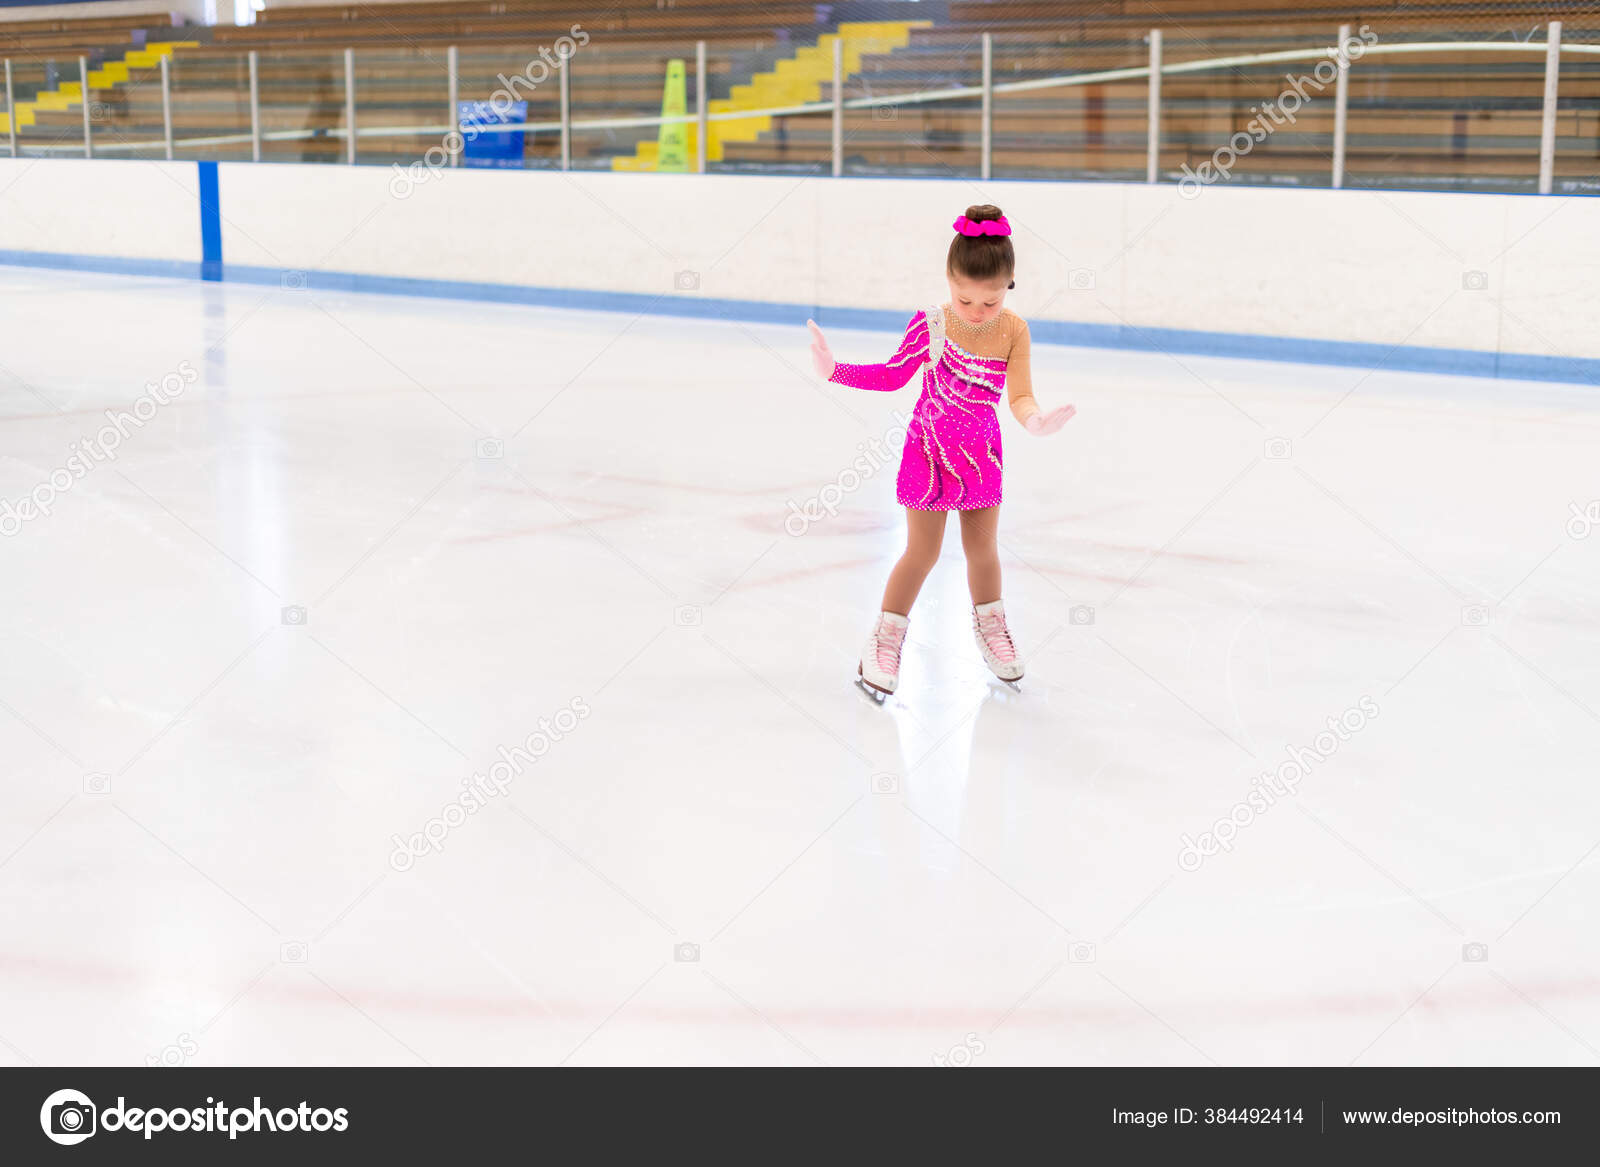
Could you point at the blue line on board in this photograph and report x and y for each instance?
(1298, 350)
(210, 223)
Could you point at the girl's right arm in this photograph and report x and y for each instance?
(890, 375)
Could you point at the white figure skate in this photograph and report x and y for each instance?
(995, 643)
(878, 674)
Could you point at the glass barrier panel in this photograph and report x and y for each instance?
(1577, 158)
(1088, 131)
(302, 98)
(210, 105)
(747, 74)
(402, 104)
(618, 81)
(501, 75)
(47, 124)
(126, 115)
(1249, 122)
(1465, 120)
(935, 138)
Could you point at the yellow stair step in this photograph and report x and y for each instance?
(797, 79)
(63, 97)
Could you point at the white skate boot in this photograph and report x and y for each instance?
(994, 641)
(879, 671)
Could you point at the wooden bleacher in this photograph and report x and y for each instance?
(68, 38)
(1473, 115)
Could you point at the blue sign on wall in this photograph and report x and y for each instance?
(501, 151)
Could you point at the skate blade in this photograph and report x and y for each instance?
(875, 695)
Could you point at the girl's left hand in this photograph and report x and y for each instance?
(1041, 424)
(821, 354)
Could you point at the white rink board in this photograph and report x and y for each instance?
(1380, 268)
(1383, 268)
(99, 207)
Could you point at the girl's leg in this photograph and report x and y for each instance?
(924, 535)
(980, 541)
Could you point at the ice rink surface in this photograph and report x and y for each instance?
(379, 539)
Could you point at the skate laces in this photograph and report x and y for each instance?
(992, 627)
(888, 640)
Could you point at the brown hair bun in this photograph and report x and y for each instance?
(982, 257)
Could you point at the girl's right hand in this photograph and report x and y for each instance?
(821, 355)
(1040, 424)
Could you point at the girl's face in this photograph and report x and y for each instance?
(977, 302)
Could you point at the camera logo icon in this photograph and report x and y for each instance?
(686, 616)
(68, 1117)
(99, 111)
(292, 952)
(686, 281)
(97, 783)
(686, 953)
(1474, 281)
(1475, 953)
(1081, 279)
(293, 614)
(1277, 450)
(293, 281)
(885, 113)
(1080, 614)
(1080, 952)
(886, 784)
(490, 448)
(1475, 616)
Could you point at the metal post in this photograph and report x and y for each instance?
(255, 107)
(986, 146)
(700, 106)
(166, 105)
(838, 106)
(11, 108)
(566, 116)
(453, 67)
(350, 106)
(1547, 130)
(83, 77)
(1152, 150)
(1341, 107)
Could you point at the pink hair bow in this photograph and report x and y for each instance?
(982, 227)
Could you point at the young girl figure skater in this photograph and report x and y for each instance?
(970, 351)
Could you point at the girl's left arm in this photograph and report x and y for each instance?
(1019, 390)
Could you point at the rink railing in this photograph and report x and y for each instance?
(1552, 48)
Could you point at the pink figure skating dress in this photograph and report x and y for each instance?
(952, 458)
